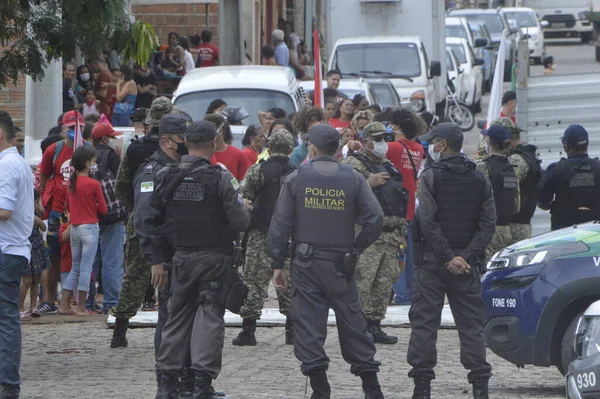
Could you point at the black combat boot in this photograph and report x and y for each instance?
(246, 337)
(203, 387)
(480, 388)
(319, 385)
(422, 388)
(289, 331)
(119, 338)
(370, 385)
(167, 387)
(379, 336)
(185, 387)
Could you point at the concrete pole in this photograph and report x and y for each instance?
(308, 16)
(522, 84)
(231, 44)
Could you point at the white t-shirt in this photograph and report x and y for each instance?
(188, 62)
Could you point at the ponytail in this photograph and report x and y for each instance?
(73, 179)
(81, 156)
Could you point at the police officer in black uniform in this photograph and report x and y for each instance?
(572, 186)
(454, 222)
(198, 211)
(318, 208)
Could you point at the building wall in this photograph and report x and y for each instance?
(12, 100)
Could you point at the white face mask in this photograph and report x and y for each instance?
(380, 148)
(435, 156)
(85, 77)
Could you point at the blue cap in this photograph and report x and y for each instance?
(497, 133)
(575, 135)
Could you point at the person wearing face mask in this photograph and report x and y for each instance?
(377, 268)
(197, 210)
(454, 222)
(505, 185)
(84, 83)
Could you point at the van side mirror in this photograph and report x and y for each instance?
(435, 69)
(480, 42)
(478, 62)
(545, 24)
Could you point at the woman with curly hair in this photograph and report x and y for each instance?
(303, 121)
(361, 120)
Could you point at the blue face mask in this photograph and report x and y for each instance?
(71, 135)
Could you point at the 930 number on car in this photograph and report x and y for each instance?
(586, 380)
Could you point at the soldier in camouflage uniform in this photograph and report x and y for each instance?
(378, 267)
(496, 167)
(137, 271)
(261, 188)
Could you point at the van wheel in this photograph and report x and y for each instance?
(567, 347)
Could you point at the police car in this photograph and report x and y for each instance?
(535, 291)
(582, 378)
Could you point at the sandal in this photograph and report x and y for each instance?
(24, 316)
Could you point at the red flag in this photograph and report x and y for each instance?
(318, 93)
(78, 142)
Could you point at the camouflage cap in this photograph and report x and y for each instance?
(281, 138)
(509, 124)
(373, 129)
(160, 106)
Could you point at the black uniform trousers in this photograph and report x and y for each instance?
(163, 315)
(317, 286)
(194, 333)
(432, 281)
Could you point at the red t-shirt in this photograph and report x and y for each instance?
(66, 259)
(208, 55)
(61, 170)
(398, 156)
(86, 202)
(251, 155)
(234, 160)
(337, 123)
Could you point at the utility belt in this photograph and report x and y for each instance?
(229, 291)
(345, 262)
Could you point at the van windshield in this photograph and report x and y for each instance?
(397, 59)
(252, 101)
(493, 22)
(524, 19)
(456, 31)
(459, 51)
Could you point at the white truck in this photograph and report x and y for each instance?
(400, 40)
(567, 18)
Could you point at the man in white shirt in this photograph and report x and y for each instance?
(16, 225)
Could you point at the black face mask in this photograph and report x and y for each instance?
(182, 149)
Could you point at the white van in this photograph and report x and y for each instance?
(253, 87)
(527, 20)
(473, 75)
(567, 18)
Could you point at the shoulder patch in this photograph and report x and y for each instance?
(147, 187)
(235, 183)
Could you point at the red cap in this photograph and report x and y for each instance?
(73, 117)
(104, 130)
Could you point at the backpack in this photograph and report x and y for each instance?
(117, 211)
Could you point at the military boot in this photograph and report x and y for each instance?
(319, 385)
(289, 331)
(203, 387)
(370, 385)
(185, 387)
(480, 388)
(167, 387)
(422, 388)
(379, 336)
(246, 337)
(119, 338)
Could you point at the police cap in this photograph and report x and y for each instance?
(575, 135)
(324, 137)
(446, 130)
(174, 124)
(200, 132)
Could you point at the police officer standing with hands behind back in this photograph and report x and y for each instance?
(318, 208)
(572, 186)
(454, 222)
(200, 211)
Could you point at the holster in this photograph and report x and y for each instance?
(349, 262)
(238, 257)
(233, 290)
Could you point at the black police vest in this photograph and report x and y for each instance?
(274, 170)
(139, 151)
(578, 193)
(530, 186)
(195, 209)
(504, 184)
(459, 192)
(325, 207)
(392, 196)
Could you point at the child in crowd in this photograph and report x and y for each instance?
(66, 260)
(91, 106)
(86, 201)
(39, 261)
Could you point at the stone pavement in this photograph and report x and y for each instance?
(63, 360)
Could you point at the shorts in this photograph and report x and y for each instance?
(63, 279)
(52, 238)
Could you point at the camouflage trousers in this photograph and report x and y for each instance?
(520, 231)
(376, 272)
(257, 276)
(502, 239)
(136, 279)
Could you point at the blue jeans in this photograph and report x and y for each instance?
(84, 244)
(112, 242)
(11, 271)
(404, 286)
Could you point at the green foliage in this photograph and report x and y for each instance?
(141, 41)
(34, 33)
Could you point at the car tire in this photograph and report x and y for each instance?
(567, 349)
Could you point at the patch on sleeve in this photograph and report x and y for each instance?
(240, 199)
(235, 183)
(147, 187)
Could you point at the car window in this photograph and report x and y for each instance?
(449, 63)
(385, 95)
(524, 19)
(456, 31)
(401, 59)
(459, 50)
(252, 101)
(471, 53)
(493, 22)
